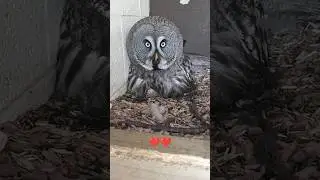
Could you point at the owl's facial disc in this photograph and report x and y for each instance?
(162, 62)
(155, 45)
(155, 58)
(150, 47)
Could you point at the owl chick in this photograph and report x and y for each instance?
(155, 50)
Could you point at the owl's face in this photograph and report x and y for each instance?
(155, 43)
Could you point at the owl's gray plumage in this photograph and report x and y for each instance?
(83, 53)
(155, 50)
(239, 52)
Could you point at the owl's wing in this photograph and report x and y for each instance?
(199, 63)
(83, 44)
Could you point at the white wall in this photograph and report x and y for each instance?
(29, 35)
(193, 19)
(123, 14)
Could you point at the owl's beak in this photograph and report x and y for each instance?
(155, 60)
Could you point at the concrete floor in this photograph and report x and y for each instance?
(154, 170)
(132, 158)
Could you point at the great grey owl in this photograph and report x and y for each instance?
(83, 53)
(155, 50)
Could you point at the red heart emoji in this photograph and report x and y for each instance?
(165, 141)
(154, 141)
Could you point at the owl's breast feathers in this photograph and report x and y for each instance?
(178, 77)
(172, 82)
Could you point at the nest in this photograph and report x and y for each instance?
(42, 144)
(187, 115)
